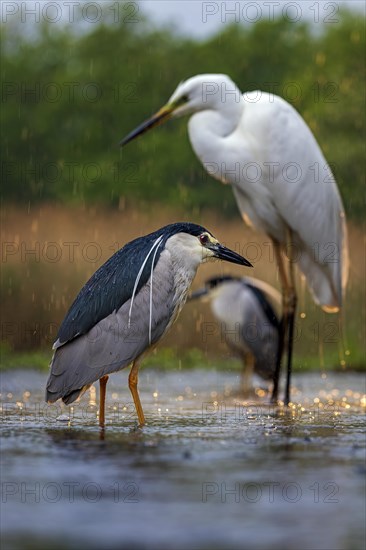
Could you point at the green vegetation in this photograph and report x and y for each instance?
(165, 358)
(39, 360)
(69, 98)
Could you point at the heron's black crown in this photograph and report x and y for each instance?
(215, 281)
(112, 284)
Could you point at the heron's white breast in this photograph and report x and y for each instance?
(181, 257)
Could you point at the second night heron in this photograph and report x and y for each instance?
(248, 322)
(258, 143)
(126, 307)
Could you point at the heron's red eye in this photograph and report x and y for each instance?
(204, 238)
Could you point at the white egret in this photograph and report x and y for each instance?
(259, 144)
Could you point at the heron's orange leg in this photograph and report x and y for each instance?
(132, 384)
(103, 385)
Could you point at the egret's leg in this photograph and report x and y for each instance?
(291, 312)
(102, 385)
(284, 321)
(281, 345)
(132, 384)
(247, 373)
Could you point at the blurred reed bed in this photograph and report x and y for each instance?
(49, 251)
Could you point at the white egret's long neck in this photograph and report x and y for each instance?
(207, 127)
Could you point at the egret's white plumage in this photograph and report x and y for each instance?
(259, 144)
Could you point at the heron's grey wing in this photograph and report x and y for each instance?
(265, 351)
(260, 332)
(263, 302)
(114, 342)
(110, 286)
(248, 322)
(227, 303)
(271, 294)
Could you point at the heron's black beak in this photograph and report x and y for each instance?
(228, 255)
(197, 294)
(161, 116)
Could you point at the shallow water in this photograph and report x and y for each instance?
(208, 471)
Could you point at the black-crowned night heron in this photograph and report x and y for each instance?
(126, 307)
(282, 183)
(248, 322)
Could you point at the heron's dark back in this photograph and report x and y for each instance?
(113, 283)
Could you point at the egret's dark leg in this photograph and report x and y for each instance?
(284, 321)
(102, 385)
(291, 323)
(291, 315)
(276, 377)
(132, 384)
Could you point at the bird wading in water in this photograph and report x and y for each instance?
(258, 143)
(126, 307)
(248, 322)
